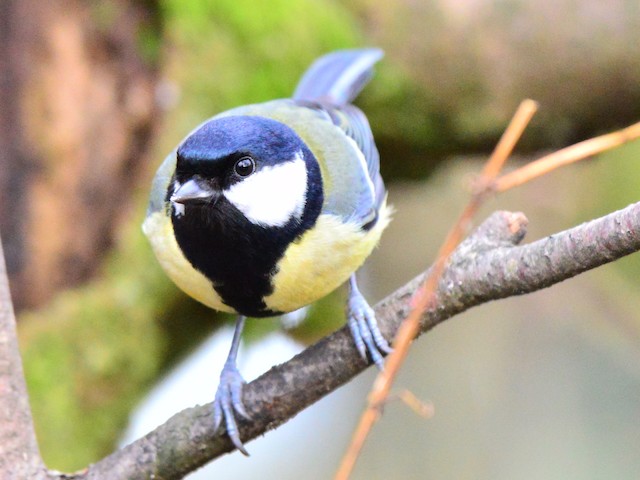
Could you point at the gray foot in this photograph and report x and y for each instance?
(228, 402)
(228, 399)
(364, 328)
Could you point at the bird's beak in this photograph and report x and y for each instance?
(193, 191)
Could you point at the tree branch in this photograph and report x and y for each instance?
(19, 455)
(486, 266)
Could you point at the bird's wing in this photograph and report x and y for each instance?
(353, 122)
(329, 86)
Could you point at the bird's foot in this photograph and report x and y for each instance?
(228, 402)
(364, 329)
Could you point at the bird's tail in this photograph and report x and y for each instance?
(338, 77)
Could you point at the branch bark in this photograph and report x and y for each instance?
(19, 455)
(488, 265)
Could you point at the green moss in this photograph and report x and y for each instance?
(90, 354)
(150, 43)
(228, 53)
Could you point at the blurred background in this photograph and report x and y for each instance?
(94, 94)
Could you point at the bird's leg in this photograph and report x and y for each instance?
(229, 394)
(363, 325)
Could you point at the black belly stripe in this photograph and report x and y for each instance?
(238, 257)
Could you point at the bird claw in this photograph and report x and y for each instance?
(228, 402)
(364, 329)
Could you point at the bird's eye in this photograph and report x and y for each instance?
(245, 166)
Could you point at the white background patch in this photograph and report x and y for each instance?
(273, 195)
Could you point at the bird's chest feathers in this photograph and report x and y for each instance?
(321, 261)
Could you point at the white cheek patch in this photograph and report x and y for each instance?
(273, 195)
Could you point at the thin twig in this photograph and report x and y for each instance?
(573, 153)
(510, 137)
(419, 407)
(425, 297)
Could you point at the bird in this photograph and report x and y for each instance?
(265, 208)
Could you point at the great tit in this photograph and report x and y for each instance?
(266, 208)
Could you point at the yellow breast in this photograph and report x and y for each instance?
(322, 260)
(157, 227)
(312, 267)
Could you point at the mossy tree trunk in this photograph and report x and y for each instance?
(77, 111)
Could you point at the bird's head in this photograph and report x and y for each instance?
(257, 165)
